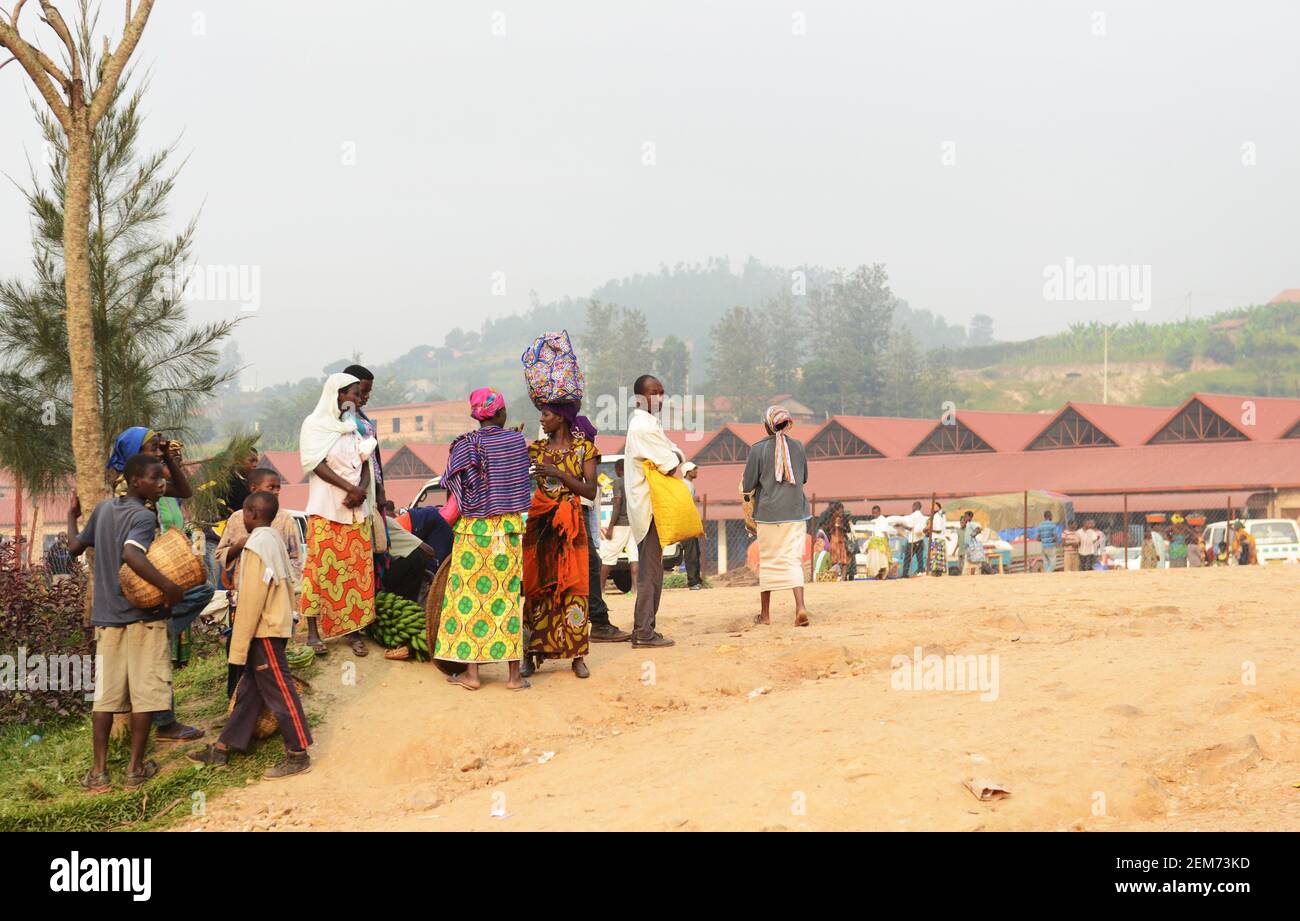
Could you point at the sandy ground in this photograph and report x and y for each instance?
(1142, 700)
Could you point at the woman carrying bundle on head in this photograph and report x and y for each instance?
(556, 581)
(487, 474)
(775, 473)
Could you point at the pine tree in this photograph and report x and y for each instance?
(153, 367)
(78, 90)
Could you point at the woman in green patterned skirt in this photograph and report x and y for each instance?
(487, 473)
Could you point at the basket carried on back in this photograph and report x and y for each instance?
(171, 555)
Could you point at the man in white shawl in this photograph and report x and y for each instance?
(263, 624)
(338, 595)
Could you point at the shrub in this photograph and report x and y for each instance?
(43, 618)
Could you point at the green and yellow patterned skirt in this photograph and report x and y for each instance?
(481, 607)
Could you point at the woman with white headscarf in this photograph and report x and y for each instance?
(338, 588)
(774, 474)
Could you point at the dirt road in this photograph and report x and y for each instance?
(1142, 700)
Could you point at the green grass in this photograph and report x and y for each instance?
(678, 580)
(40, 782)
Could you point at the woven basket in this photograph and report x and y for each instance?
(433, 618)
(171, 555)
(266, 726)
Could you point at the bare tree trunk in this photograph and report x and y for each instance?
(87, 427)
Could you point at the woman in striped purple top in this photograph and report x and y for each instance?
(487, 472)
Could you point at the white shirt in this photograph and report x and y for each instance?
(346, 458)
(879, 525)
(1090, 542)
(645, 441)
(916, 523)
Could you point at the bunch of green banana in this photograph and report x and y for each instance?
(399, 622)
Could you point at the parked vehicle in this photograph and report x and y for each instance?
(1277, 540)
(300, 519)
(431, 493)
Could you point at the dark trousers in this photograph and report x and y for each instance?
(597, 610)
(191, 606)
(691, 557)
(233, 672)
(1087, 561)
(649, 584)
(266, 683)
(405, 576)
(916, 549)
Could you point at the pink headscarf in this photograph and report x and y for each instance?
(485, 403)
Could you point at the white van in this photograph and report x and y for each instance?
(1277, 540)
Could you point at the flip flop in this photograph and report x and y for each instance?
(359, 648)
(758, 619)
(801, 620)
(148, 769)
(319, 648)
(96, 783)
(523, 687)
(455, 679)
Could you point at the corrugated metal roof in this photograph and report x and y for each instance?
(1216, 467)
(1271, 416)
(1125, 425)
(287, 463)
(891, 436)
(1004, 431)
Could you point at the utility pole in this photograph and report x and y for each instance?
(1105, 364)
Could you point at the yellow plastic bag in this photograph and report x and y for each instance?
(676, 517)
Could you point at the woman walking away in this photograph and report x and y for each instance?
(938, 548)
(338, 588)
(555, 542)
(775, 472)
(487, 473)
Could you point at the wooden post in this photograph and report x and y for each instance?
(18, 522)
(1227, 530)
(1126, 531)
(704, 520)
(1025, 552)
(722, 546)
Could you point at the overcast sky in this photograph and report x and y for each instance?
(378, 162)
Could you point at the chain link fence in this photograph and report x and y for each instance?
(1124, 522)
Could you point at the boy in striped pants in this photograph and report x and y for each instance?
(263, 624)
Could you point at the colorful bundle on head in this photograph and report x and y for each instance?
(551, 370)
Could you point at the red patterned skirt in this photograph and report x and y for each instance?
(338, 576)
